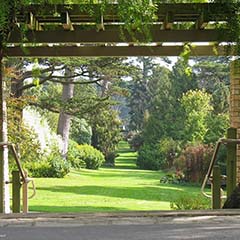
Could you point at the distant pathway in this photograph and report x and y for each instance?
(127, 158)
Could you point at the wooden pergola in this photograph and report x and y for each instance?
(63, 30)
(66, 30)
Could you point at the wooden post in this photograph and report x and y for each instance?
(4, 176)
(25, 194)
(231, 161)
(216, 188)
(16, 192)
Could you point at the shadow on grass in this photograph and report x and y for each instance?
(117, 173)
(157, 193)
(47, 208)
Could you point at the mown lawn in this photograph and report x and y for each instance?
(109, 189)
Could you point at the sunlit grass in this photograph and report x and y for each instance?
(121, 188)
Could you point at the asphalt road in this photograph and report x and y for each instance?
(216, 228)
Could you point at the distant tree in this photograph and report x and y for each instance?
(213, 75)
(139, 100)
(106, 133)
(196, 105)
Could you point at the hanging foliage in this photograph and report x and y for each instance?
(137, 16)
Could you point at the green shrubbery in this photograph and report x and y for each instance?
(158, 156)
(135, 140)
(92, 157)
(55, 166)
(110, 159)
(190, 203)
(149, 158)
(73, 156)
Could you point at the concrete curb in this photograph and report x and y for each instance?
(134, 214)
(117, 218)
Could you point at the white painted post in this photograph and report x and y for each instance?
(4, 174)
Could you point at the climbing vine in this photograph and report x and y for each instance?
(231, 29)
(137, 16)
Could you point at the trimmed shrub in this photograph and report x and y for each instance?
(73, 156)
(38, 169)
(92, 157)
(158, 156)
(110, 159)
(149, 158)
(54, 168)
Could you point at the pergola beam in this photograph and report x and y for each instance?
(202, 21)
(114, 36)
(33, 23)
(94, 51)
(168, 21)
(66, 21)
(182, 11)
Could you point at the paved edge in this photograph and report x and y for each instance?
(129, 214)
(119, 218)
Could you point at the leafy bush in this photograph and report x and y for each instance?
(173, 177)
(168, 149)
(110, 158)
(135, 141)
(149, 158)
(191, 203)
(92, 157)
(194, 161)
(56, 167)
(80, 131)
(38, 169)
(73, 156)
(157, 156)
(59, 167)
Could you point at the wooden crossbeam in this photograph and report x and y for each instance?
(66, 21)
(114, 36)
(202, 21)
(182, 10)
(168, 21)
(74, 51)
(33, 23)
(100, 25)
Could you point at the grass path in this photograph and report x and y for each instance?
(121, 188)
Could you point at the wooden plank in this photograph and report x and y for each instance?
(114, 36)
(216, 188)
(25, 194)
(16, 193)
(74, 51)
(231, 161)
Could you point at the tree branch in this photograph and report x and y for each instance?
(27, 86)
(76, 82)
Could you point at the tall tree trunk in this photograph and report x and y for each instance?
(4, 176)
(64, 120)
